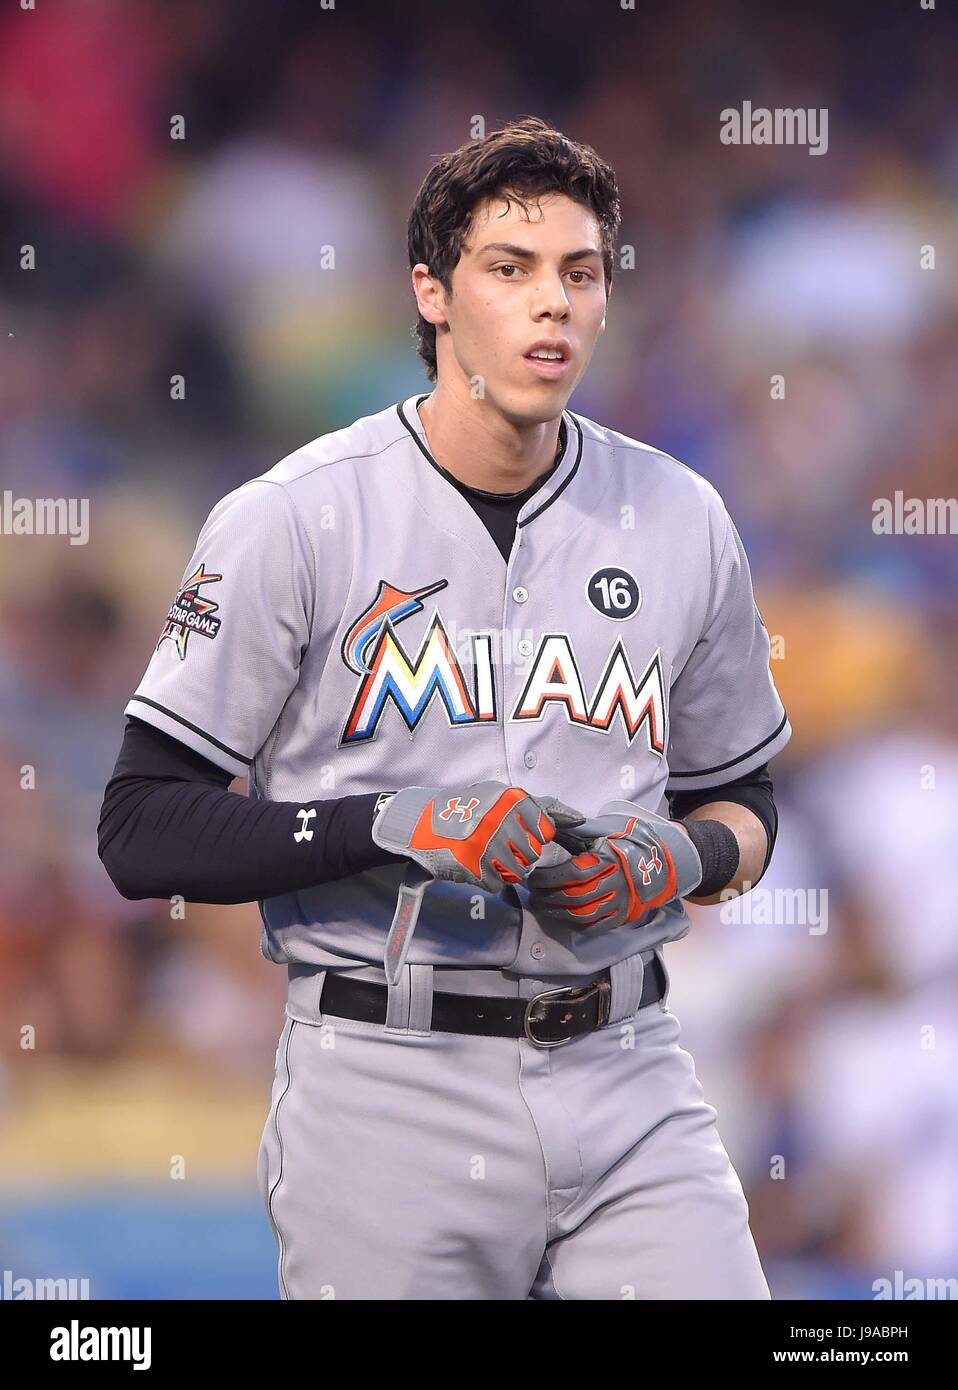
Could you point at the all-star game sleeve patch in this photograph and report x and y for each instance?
(190, 612)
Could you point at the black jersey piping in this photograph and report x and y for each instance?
(721, 767)
(445, 474)
(563, 485)
(214, 742)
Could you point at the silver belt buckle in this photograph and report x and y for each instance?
(527, 1017)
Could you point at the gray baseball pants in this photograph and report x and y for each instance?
(398, 1163)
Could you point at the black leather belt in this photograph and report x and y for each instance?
(548, 1019)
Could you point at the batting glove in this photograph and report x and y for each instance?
(486, 834)
(625, 865)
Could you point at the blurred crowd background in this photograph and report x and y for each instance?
(831, 1055)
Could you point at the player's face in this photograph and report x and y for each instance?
(524, 280)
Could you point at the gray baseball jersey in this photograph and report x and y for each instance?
(346, 624)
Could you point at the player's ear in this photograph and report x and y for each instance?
(430, 295)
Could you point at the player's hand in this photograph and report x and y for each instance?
(624, 867)
(486, 834)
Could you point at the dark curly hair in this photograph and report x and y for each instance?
(524, 160)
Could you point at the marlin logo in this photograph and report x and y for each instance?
(389, 606)
(387, 672)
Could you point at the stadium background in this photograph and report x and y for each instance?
(307, 128)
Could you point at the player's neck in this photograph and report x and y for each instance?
(483, 450)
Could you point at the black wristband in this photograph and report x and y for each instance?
(718, 850)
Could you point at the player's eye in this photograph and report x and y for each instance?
(505, 268)
(587, 274)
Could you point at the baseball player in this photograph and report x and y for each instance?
(499, 684)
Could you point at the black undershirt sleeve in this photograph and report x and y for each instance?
(753, 789)
(169, 825)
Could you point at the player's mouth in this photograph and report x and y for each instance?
(550, 358)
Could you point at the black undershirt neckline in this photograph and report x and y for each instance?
(499, 511)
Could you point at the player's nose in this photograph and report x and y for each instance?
(549, 300)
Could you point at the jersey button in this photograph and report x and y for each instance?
(537, 950)
(530, 759)
(524, 646)
(520, 594)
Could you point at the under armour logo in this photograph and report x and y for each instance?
(302, 833)
(453, 808)
(647, 867)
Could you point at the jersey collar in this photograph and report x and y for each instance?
(556, 482)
